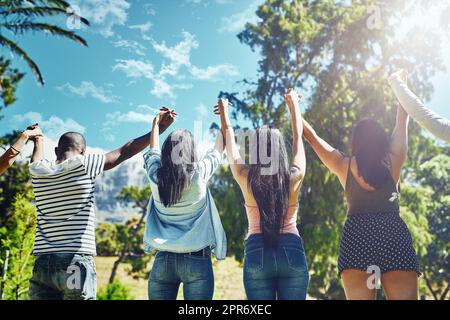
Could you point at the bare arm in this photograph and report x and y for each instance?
(299, 160)
(332, 158)
(133, 147)
(10, 156)
(38, 150)
(237, 166)
(399, 143)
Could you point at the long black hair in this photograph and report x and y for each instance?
(178, 157)
(269, 180)
(370, 147)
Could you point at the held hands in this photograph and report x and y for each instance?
(402, 74)
(292, 98)
(164, 118)
(33, 133)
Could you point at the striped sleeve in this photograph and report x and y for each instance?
(94, 164)
(152, 161)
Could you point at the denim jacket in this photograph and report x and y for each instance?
(194, 222)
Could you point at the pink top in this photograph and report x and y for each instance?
(290, 221)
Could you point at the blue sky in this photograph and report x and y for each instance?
(141, 55)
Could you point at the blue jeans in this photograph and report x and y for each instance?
(275, 273)
(171, 269)
(63, 276)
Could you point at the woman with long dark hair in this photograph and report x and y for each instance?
(183, 224)
(275, 264)
(375, 244)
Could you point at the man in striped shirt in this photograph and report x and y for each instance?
(65, 231)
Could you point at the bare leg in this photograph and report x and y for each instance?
(355, 285)
(400, 285)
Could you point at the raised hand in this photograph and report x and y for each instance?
(165, 119)
(402, 73)
(222, 107)
(33, 132)
(292, 98)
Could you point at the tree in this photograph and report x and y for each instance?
(18, 17)
(436, 260)
(9, 79)
(328, 51)
(130, 236)
(16, 243)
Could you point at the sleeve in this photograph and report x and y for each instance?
(94, 164)
(152, 161)
(437, 125)
(34, 167)
(209, 164)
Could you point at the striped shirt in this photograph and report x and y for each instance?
(65, 204)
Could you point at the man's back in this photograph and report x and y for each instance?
(65, 204)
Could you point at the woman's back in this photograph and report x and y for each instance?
(361, 198)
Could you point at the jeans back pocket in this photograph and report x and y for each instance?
(253, 261)
(296, 259)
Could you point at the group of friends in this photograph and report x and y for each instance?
(184, 227)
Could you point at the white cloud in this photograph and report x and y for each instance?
(131, 46)
(145, 27)
(236, 22)
(214, 72)
(135, 68)
(88, 89)
(178, 55)
(176, 67)
(52, 127)
(104, 15)
(207, 2)
(142, 114)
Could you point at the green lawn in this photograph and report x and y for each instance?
(227, 274)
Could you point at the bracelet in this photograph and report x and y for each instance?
(18, 151)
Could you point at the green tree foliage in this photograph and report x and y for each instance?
(436, 260)
(9, 79)
(130, 235)
(115, 291)
(17, 238)
(16, 180)
(340, 63)
(230, 203)
(18, 17)
(106, 238)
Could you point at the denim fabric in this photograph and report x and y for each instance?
(171, 269)
(191, 224)
(63, 276)
(274, 273)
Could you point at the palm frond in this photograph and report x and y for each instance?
(42, 12)
(19, 51)
(54, 30)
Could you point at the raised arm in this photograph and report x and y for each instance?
(38, 149)
(133, 147)
(299, 159)
(332, 158)
(237, 165)
(399, 143)
(8, 158)
(431, 121)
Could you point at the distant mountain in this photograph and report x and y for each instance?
(109, 184)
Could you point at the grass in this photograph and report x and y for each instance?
(227, 275)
